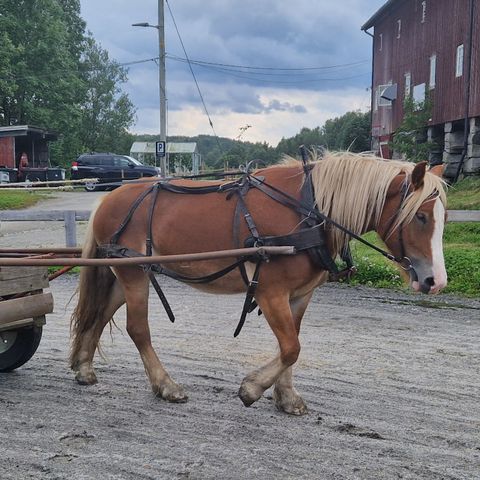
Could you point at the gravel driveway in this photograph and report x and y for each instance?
(391, 382)
(39, 234)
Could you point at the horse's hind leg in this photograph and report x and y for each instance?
(285, 395)
(279, 316)
(136, 287)
(82, 364)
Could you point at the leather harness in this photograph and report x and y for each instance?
(311, 239)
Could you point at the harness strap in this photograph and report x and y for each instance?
(161, 295)
(149, 241)
(249, 299)
(126, 220)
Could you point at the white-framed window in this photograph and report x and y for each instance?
(399, 28)
(424, 10)
(380, 42)
(408, 84)
(433, 72)
(459, 61)
(419, 95)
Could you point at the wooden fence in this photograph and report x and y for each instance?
(70, 217)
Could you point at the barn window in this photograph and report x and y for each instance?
(433, 71)
(399, 28)
(424, 10)
(380, 42)
(459, 61)
(408, 84)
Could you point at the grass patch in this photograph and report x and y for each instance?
(465, 195)
(462, 260)
(10, 200)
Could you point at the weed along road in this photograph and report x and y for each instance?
(391, 382)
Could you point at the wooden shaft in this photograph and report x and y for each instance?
(188, 257)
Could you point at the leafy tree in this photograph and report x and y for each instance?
(107, 111)
(351, 132)
(52, 73)
(410, 139)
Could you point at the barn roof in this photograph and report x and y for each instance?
(373, 19)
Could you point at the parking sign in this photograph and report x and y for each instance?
(160, 149)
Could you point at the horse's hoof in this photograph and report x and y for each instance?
(171, 393)
(249, 393)
(86, 379)
(289, 402)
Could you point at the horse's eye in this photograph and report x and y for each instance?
(421, 217)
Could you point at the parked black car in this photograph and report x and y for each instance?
(109, 168)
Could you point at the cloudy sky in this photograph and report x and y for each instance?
(273, 65)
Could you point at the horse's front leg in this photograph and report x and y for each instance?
(136, 288)
(279, 316)
(285, 395)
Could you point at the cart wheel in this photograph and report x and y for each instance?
(18, 346)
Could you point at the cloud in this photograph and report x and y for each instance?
(267, 124)
(275, 36)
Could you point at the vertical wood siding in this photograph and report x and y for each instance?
(446, 26)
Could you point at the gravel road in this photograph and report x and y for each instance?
(39, 234)
(391, 382)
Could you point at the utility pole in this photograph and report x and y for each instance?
(161, 85)
(161, 81)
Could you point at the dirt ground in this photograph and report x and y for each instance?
(391, 381)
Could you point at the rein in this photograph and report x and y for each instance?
(403, 261)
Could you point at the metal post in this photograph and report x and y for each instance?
(161, 80)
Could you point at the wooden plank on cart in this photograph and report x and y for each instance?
(25, 307)
(22, 279)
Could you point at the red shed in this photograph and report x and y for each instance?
(434, 46)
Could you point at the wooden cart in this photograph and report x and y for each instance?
(23, 306)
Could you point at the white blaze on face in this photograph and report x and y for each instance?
(438, 262)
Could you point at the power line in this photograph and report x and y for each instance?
(193, 75)
(249, 67)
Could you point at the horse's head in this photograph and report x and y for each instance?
(412, 224)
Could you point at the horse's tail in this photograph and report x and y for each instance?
(93, 291)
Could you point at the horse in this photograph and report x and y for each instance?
(404, 203)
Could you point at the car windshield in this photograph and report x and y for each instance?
(133, 160)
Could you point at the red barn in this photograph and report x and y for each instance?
(429, 46)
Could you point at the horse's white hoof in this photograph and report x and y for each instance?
(171, 393)
(289, 401)
(87, 378)
(249, 392)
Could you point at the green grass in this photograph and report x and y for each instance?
(10, 200)
(465, 195)
(462, 260)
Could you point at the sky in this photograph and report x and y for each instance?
(265, 68)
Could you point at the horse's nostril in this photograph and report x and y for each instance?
(430, 281)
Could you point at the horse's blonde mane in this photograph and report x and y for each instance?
(351, 189)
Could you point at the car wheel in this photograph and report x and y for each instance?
(91, 187)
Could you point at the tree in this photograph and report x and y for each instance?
(52, 74)
(350, 132)
(107, 112)
(410, 139)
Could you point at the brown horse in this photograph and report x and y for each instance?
(402, 202)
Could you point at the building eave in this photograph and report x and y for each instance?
(373, 19)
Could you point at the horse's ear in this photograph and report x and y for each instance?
(438, 170)
(418, 175)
